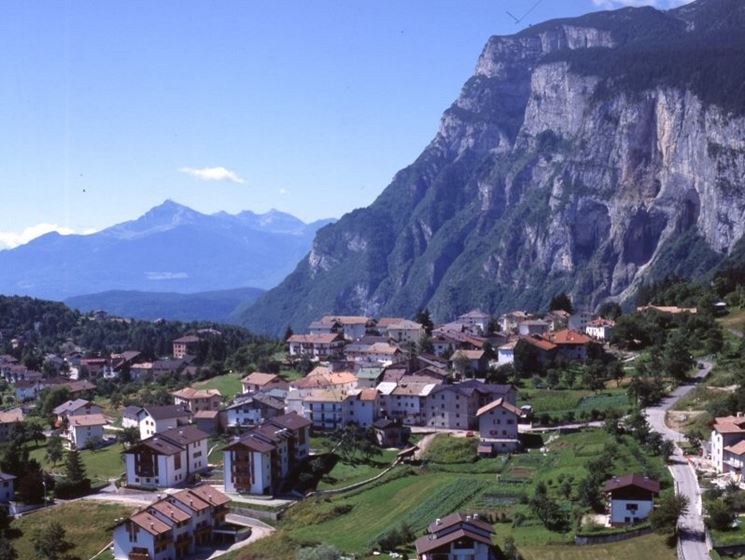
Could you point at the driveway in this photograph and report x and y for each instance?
(691, 526)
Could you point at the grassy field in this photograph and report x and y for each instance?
(100, 465)
(734, 320)
(229, 384)
(560, 402)
(88, 526)
(650, 546)
(356, 469)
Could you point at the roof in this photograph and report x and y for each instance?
(383, 348)
(88, 420)
(474, 314)
(346, 319)
(253, 443)
(150, 523)
(314, 338)
(600, 322)
(183, 435)
(729, 424)
(189, 393)
(71, 406)
(190, 500)
(413, 389)
(455, 518)
(736, 449)
(209, 494)
(499, 403)
(320, 395)
(368, 394)
(206, 414)
(539, 342)
(428, 543)
(259, 378)
(291, 421)
(404, 324)
(322, 377)
(469, 354)
(635, 480)
(188, 339)
(165, 412)
(170, 511)
(567, 337)
(10, 416)
(77, 386)
(6, 476)
(131, 412)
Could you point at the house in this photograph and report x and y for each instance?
(207, 420)
(383, 353)
(578, 321)
(9, 419)
(168, 458)
(95, 367)
(259, 461)
(7, 488)
(129, 417)
(498, 428)
(319, 346)
(455, 406)
(85, 429)
(404, 331)
(557, 319)
(258, 381)
(352, 327)
(332, 410)
(173, 526)
(369, 375)
(185, 345)
(509, 322)
(727, 436)
(155, 419)
(458, 537)
(252, 410)
(506, 353)
(406, 400)
(571, 345)
(390, 433)
(79, 389)
(631, 498)
(533, 326)
(195, 400)
(77, 407)
(600, 329)
(476, 318)
(466, 362)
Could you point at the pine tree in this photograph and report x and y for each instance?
(74, 468)
(50, 542)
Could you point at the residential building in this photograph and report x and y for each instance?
(7, 488)
(258, 381)
(324, 327)
(319, 346)
(506, 353)
(207, 420)
(172, 527)
(195, 400)
(455, 406)
(9, 419)
(458, 537)
(333, 410)
(509, 322)
(185, 345)
(352, 327)
(260, 461)
(168, 458)
(156, 419)
(404, 331)
(382, 353)
(252, 409)
(390, 433)
(727, 435)
(466, 362)
(129, 417)
(369, 375)
(77, 407)
(83, 430)
(571, 345)
(476, 318)
(533, 326)
(631, 498)
(498, 428)
(600, 329)
(406, 400)
(579, 320)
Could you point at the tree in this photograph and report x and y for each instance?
(424, 318)
(664, 519)
(288, 333)
(610, 310)
(74, 467)
(509, 550)
(50, 542)
(53, 398)
(561, 302)
(55, 450)
(7, 552)
(721, 515)
(129, 436)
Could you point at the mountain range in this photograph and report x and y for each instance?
(171, 248)
(588, 155)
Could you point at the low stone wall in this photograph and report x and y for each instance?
(257, 513)
(611, 538)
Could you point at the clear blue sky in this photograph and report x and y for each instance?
(313, 105)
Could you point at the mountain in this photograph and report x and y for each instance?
(216, 306)
(171, 248)
(586, 155)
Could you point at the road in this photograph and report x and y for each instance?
(691, 526)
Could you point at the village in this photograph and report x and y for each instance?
(475, 393)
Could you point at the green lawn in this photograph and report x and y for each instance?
(100, 465)
(88, 526)
(356, 469)
(649, 546)
(229, 384)
(734, 320)
(560, 402)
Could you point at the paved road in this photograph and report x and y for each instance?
(691, 526)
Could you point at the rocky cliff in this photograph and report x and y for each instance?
(585, 155)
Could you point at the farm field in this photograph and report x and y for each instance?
(88, 526)
(559, 403)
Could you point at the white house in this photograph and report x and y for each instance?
(631, 498)
(506, 353)
(498, 427)
(252, 410)
(405, 400)
(155, 419)
(173, 526)
(600, 329)
(259, 461)
(84, 428)
(404, 331)
(77, 407)
(533, 326)
(458, 537)
(727, 435)
(353, 327)
(169, 458)
(7, 487)
(318, 346)
(332, 410)
(476, 318)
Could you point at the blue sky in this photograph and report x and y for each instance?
(108, 108)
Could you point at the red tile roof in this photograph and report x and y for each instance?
(636, 480)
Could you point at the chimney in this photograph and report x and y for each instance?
(739, 414)
(438, 521)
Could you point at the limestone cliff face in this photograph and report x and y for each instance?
(552, 171)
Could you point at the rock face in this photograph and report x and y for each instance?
(584, 155)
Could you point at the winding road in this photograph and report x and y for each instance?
(691, 526)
